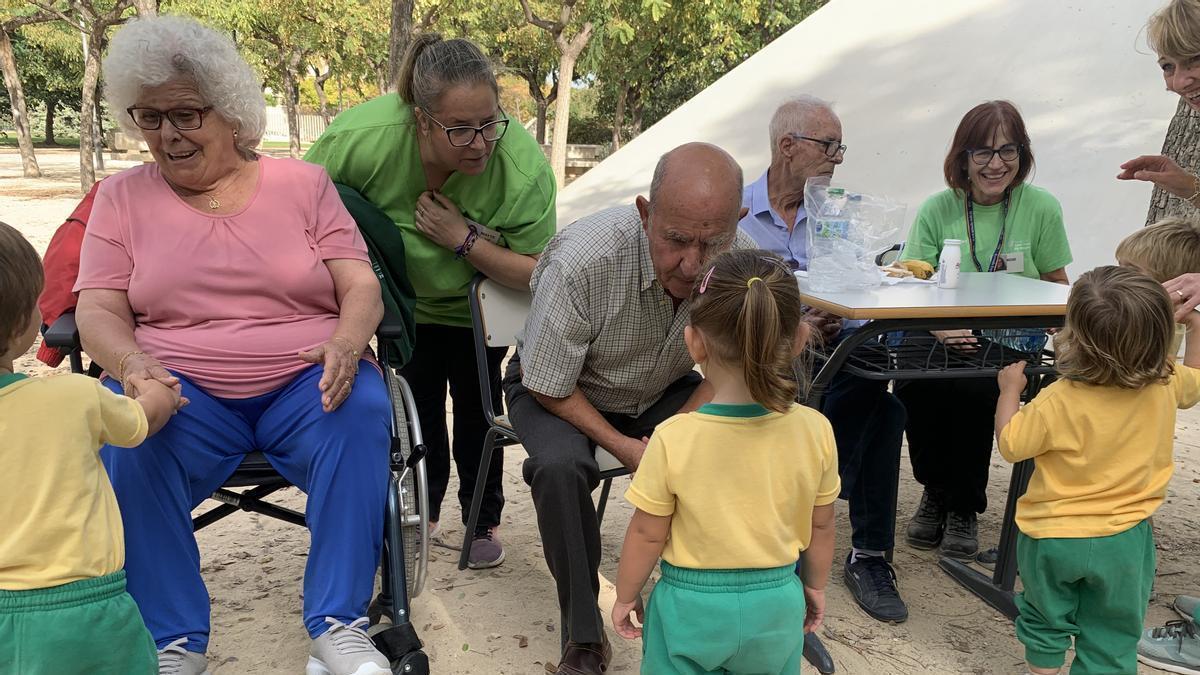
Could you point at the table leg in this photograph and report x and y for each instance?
(998, 591)
(816, 654)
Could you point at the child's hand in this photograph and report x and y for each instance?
(814, 609)
(1012, 377)
(158, 400)
(620, 618)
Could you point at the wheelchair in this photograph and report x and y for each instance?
(406, 522)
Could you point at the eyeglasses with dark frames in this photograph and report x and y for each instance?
(183, 119)
(983, 156)
(832, 148)
(462, 136)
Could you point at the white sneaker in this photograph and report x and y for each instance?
(175, 660)
(346, 650)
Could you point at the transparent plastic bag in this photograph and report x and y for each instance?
(846, 230)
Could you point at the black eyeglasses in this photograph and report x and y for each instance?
(460, 137)
(983, 156)
(183, 119)
(832, 148)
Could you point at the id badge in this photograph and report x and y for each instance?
(1013, 263)
(486, 232)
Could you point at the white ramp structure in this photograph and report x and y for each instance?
(901, 73)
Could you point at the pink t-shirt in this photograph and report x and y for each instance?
(226, 300)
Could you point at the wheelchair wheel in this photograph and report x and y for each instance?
(413, 486)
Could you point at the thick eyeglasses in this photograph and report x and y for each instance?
(183, 119)
(460, 137)
(983, 156)
(832, 148)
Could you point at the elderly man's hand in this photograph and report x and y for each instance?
(828, 325)
(340, 361)
(439, 219)
(1185, 293)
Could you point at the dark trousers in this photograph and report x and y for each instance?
(446, 354)
(562, 473)
(868, 426)
(950, 428)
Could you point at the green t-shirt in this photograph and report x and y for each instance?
(372, 148)
(1034, 229)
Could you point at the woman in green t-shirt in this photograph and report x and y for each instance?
(471, 192)
(1006, 225)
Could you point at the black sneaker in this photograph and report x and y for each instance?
(927, 524)
(872, 582)
(961, 539)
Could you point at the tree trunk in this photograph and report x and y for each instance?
(569, 53)
(1181, 144)
(16, 97)
(146, 8)
(619, 114)
(51, 107)
(401, 35)
(542, 105)
(87, 109)
(322, 99)
(291, 96)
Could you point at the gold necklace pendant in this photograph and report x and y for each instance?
(213, 204)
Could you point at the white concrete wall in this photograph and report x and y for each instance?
(901, 73)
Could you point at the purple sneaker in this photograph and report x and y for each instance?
(486, 550)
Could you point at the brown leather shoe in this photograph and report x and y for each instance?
(585, 658)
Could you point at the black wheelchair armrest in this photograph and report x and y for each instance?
(63, 334)
(391, 327)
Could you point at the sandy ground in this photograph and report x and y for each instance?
(505, 620)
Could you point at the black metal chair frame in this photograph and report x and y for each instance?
(499, 434)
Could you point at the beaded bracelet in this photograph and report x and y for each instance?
(121, 364)
(465, 248)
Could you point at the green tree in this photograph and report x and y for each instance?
(51, 68)
(12, 17)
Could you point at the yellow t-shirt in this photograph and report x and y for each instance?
(59, 520)
(1102, 455)
(739, 483)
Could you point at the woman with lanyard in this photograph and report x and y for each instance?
(1007, 226)
(1174, 34)
(471, 192)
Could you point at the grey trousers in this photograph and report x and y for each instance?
(561, 472)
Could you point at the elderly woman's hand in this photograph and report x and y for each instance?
(137, 366)
(1185, 293)
(439, 219)
(1163, 172)
(340, 360)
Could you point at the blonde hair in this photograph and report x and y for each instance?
(432, 65)
(747, 306)
(1174, 30)
(1164, 250)
(1118, 332)
(21, 280)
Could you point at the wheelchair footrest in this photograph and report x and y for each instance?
(397, 641)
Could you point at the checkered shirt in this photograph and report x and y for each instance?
(600, 320)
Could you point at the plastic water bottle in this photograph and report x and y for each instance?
(949, 263)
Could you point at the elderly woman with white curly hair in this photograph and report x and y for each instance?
(242, 281)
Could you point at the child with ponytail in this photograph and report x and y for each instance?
(731, 494)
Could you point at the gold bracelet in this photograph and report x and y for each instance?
(349, 344)
(121, 364)
(1196, 184)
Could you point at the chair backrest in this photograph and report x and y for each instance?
(497, 312)
(497, 315)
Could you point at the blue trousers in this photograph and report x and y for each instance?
(339, 459)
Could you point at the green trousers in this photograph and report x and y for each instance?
(85, 627)
(1092, 589)
(724, 621)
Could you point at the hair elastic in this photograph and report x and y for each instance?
(751, 280)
